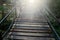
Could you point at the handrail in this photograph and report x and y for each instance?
(10, 26)
(6, 15)
(55, 33)
(51, 13)
(58, 38)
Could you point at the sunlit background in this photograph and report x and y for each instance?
(30, 8)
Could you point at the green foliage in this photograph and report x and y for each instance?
(1, 8)
(55, 7)
(0, 16)
(55, 24)
(4, 26)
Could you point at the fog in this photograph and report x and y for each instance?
(31, 9)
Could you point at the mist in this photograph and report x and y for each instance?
(31, 9)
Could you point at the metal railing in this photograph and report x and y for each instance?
(7, 22)
(51, 20)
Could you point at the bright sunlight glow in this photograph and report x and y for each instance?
(31, 8)
(31, 1)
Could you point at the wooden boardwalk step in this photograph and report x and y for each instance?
(31, 31)
(31, 25)
(30, 38)
(31, 34)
